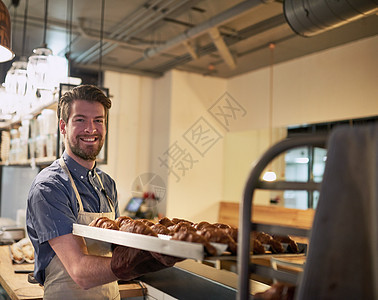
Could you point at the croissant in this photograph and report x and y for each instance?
(257, 247)
(202, 225)
(219, 236)
(195, 238)
(293, 246)
(183, 226)
(122, 220)
(166, 222)
(138, 227)
(104, 222)
(160, 229)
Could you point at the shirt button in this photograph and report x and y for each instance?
(82, 177)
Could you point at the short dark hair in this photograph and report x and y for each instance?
(82, 92)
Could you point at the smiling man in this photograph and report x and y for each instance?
(73, 190)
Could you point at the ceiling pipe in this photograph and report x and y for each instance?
(141, 25)
(141, 14)
(311, 17)
(224, 17)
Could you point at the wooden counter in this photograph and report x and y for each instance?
(18, 287)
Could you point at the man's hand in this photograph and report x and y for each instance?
(129, 263)
(166, 260)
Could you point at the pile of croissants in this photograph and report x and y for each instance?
(179, 229)
(263, 242)
(203, 232)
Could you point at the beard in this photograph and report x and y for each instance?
(87, 153)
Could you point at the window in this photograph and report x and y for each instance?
(308, 163)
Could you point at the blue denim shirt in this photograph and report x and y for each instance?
(52, 206)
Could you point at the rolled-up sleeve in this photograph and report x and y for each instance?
(51, 210)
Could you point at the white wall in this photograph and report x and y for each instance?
(129, 137)
(194, 194)
(150, 115)
(339, 83)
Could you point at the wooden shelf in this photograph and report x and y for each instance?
(7, 125)
(37, 162)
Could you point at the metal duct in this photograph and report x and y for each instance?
(311, 17)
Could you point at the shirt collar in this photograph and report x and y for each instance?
(74, 166)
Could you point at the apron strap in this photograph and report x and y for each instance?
(64, 167)
(107, 197)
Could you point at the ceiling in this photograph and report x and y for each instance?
(221, 38)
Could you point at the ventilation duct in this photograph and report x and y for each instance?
(311, 17)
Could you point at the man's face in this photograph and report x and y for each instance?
(85, 130)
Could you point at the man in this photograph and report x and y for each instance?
(72, 190)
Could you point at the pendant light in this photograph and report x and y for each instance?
(270, 175)
(5, 34)
(16, 78)
(38, 64)
(100, 77)
(68, 79)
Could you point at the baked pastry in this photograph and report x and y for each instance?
(183, 226)
(221, 225)
(195, 238)
(160, 229)
(267, 239)
(138, 227)
(147, 222)
(233, 231)
(264, 238)
(217, 235)
(17, 254)
(276, 246)
(202, 225)
(122, 220)
(104, 222)
(292, 245)
(257, 247)
(166, 222)
(176, 221)
(28, 252)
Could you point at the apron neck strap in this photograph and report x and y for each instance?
(107, 197)
(65, 168)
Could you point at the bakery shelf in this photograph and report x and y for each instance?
(246, 225)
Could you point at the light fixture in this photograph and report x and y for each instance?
(5, 34)
(270, 175)
(100, 76)
(16, 78)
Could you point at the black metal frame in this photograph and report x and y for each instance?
(245, 268)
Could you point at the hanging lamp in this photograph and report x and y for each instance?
(69, 79)
(16, 78)
(38, 64)
(270, 175)
(5, 34)
(100, 77)
(46, 70)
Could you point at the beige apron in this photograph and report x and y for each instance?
(58, 283)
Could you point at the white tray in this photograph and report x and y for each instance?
(145, 242)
